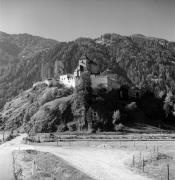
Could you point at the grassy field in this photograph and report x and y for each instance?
(154, 159)
(35, 165)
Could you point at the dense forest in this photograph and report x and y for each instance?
(145, 62)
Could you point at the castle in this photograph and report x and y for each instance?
(105, 79)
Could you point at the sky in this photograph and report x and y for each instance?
(66, 20)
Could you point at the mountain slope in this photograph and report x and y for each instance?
(14, 50)
(143, 61)
(138, 60)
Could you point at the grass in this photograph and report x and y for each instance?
(155, 165)
(153, 158)
(35, 165)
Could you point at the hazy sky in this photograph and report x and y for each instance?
(66, 20)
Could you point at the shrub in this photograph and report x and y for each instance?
(62, 128)
(131, 106)
(10, 137)
(116, 116)
(72, 126)
(119, 127)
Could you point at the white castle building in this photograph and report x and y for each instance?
(106, 80)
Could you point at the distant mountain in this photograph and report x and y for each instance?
(14, 51)
(142, 61)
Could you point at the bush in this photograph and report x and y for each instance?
(72, 126)
(10, 137)
(131, 106)
(62, 128)
(119, 127)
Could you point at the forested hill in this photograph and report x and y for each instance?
(15, 53)
(140, 60)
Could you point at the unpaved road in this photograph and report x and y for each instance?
(101, 164)
(6, 159)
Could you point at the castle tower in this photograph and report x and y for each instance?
(86, 65)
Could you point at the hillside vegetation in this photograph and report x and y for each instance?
(58, 109)
(138, 60)
(141, 60)
(15, 54)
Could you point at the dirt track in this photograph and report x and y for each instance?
(101, 164)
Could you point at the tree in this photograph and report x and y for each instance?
(93, 120)
(116, 116)
(168, 106)
(89, 118)
(82, 98)
(83, 90)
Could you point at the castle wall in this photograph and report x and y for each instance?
(98, 81)
(67, 80)
(107, 81)
(113, 82)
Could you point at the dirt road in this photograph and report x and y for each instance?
(101, 164)
(6, 160)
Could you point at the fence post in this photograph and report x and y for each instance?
(133, 161)
(3, 136)
(168, 172)
(33, 167)
(140, 155)
(143, 164)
